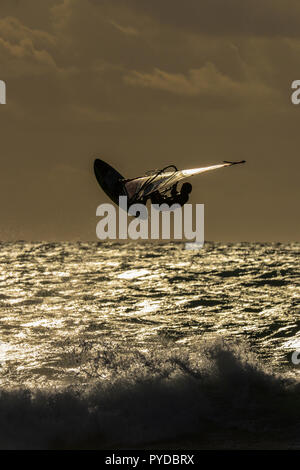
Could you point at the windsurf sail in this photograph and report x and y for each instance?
(163, 180)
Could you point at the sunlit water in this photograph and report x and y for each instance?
(87, 319)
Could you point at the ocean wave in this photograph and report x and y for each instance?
(214, 395)
(267, 282)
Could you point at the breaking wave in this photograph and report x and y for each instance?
(215, 396)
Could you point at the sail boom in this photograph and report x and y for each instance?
(143, 186)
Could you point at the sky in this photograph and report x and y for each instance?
(144, 84)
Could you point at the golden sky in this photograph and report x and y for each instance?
(144, 84)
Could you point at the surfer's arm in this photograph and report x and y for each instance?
(174, 191)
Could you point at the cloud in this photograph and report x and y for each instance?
(23, 59)
(14, 31)
(197, 81)
(205, 81)
(25, 51)
(124, 29)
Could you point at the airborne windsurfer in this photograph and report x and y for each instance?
(160, 186)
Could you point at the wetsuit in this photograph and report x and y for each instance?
(176, 197)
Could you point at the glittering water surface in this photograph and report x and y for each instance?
(126, 345)
(55, 296)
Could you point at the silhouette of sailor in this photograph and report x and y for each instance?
(177, 197)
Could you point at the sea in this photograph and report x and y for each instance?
(149, 345)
